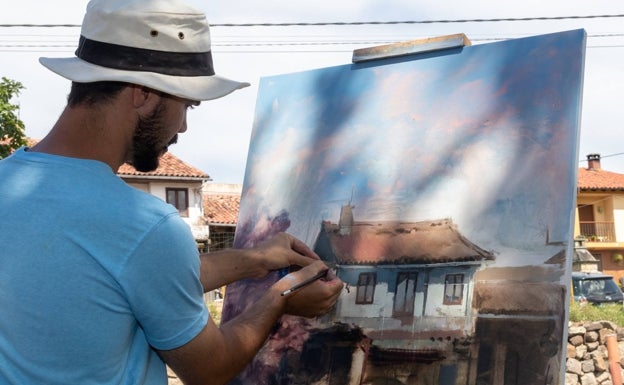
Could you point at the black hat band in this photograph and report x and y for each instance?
(141, 59)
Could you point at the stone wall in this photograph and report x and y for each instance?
(587, 361)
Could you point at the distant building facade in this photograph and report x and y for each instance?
(178, 184)
(600, 216)
(221, 204)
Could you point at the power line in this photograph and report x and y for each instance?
(604, 156)
(40, 25)
(344, 23)
(31, 46)
(32, 42)
(441, 21)
(234, 40)
(611, 155)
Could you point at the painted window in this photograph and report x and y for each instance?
(178, 197)
(366, 288)
(454, 289)
(405, 294)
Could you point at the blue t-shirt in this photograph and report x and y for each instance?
(94, 274)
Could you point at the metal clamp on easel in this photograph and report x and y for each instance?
(410, 47)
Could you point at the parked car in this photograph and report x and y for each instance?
(595, 288)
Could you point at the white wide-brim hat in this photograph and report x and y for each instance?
(160, 44)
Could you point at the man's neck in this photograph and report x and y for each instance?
(87, 133)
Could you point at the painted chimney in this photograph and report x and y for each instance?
(593, 161)
(346, 220)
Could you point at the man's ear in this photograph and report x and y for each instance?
(145, 99)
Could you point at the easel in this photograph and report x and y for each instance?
(410, 47)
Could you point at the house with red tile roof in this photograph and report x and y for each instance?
(221, 203)
(178, 184)
(600, 215)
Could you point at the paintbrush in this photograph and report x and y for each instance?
(308, 281)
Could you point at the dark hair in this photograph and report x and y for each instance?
(93, 93)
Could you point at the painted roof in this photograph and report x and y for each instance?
(423, 242)
(221, 208)
(519, 297)
(599, 180)
(169, 166)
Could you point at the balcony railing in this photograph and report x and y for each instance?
(598, 231)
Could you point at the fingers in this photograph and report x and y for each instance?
(300, 260)
(309, 297)
(301, 248)
(309, 271)
(299, 254)
(330, 275)
(298, 279)
(309, 305)
(336, 285)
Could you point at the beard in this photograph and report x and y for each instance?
(147, 145)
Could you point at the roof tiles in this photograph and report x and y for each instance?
(399, 242)
(221, 208)
(599, 180)
(169, 166)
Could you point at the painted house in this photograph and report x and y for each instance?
(425, 305)
(178, 184)
(411, 286)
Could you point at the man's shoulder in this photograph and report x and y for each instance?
(136, 204)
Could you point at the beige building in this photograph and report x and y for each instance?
(600, 216)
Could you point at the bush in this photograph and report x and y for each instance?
(587, 312)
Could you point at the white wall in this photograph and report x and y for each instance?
(435, 306)
(159, 189)
(431, 283)
(381, 306)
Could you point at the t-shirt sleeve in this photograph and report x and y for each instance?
(161, 280)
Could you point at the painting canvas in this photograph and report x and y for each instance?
(440, 187)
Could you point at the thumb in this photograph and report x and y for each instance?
(305, 276)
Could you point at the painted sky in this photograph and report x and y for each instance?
(486, 135)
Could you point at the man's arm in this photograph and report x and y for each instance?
(218, 354)
(226, 266)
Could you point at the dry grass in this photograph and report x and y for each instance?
(607, 312)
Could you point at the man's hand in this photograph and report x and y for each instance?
(314, 299)
(226, 266)
(281, 251)
(217, 354)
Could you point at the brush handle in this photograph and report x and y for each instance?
(308, 281)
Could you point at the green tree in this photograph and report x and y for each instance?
(11, 127)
